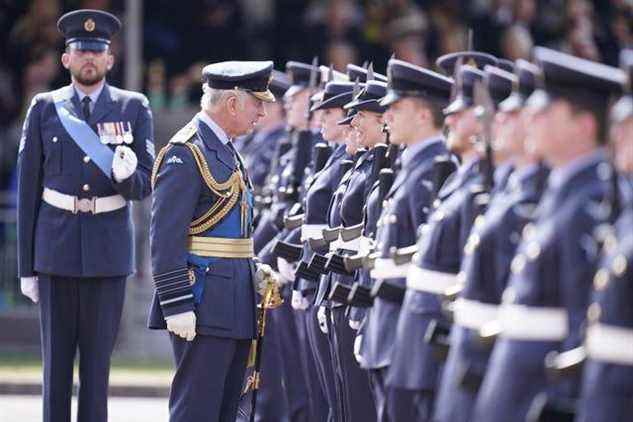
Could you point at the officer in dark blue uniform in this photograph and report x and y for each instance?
(202, 250)
(346, 210)
(319, 193)
(86, 150)
(297, 158)
(258, 153)
(545, 303)
(489, 251)
(415, 99)
(607, 391)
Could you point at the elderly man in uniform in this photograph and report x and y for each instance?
(544, 306)
(86, 150)
(202, 250)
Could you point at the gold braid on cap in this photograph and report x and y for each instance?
(228, 192)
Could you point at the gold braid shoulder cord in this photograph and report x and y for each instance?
(228, 192)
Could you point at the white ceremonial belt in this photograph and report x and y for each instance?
(94, 205)
(351, 245)
(474, 314)
(385, 268)
(428, 281)
(520, 322)
(312, 231)
(609, 343)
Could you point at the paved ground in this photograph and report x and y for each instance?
(120, 409)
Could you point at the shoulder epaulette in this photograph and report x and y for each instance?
(185, 134)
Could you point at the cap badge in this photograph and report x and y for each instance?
(89, 25)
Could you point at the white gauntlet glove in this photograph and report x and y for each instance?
(29, 287)
(183, 325)
(298, 302)
(354, 325)
(286, 270)
(322, 318)
(357, 343)
(124, 163)
(263, 273)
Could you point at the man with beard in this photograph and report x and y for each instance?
(86, 150)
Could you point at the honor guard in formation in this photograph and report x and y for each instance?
(471, 260)
(86, 150)
(452, 244)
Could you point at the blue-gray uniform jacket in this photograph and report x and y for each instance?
(187, 201)
(56, 241)
(258, 154)
(549, 290)
(486, 268)
(607, 392)
(409, 203)
(320, 192)
(439, 251)
(289, 182)
(346, 209)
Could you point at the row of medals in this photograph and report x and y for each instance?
(115, 133)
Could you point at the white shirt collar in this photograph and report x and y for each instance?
(94, 96)
(219, 132)
(412, 150)
(559, 176)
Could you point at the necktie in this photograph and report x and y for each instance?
(85, 106)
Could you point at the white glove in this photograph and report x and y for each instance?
(124, 163)
(298, 302)
(322, 318)
(30, 289)
(354, 325)
(183, 325)
(357, 343)
(286, 270)
(263, 273)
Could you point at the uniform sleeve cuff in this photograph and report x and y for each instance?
(174, 291)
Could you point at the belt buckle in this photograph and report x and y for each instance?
(85, 205)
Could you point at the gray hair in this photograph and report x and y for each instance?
(213, 97)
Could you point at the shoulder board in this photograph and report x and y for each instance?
(185, 134)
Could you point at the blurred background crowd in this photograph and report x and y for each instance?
(179, 37)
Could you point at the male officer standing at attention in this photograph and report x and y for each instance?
(202, 249)
(545, 304)
(86, 150)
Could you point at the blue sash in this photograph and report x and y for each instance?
(86, 139)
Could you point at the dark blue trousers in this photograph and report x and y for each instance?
(295, 382)
(357, 400)
(272, 403)
(78, 314)
(379, 391)
(318, 402)
(208, 379)
(406, 405)
(320, 347)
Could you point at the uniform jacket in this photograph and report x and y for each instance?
(226, 305)
(55, 241)
(409, 203)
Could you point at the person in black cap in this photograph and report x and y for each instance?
(391, 350)
(489, 251)
(86, 150)
(546, 299)
(260, 146)
(607, 387)
(202, 249)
